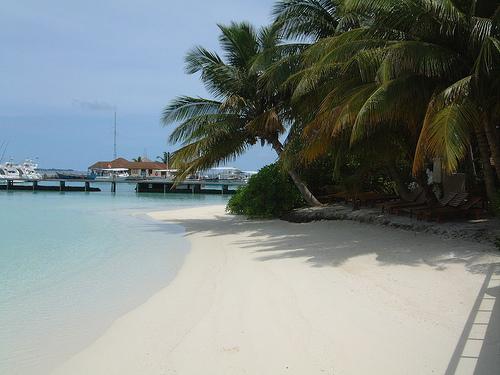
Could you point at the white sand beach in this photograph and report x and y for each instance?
(271, 297)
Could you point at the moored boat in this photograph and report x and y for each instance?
(72, 176)
(113, 174)
(19, 172)
(8, 171)
(27, 170)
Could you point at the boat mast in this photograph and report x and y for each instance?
(5, 143)
(114, 140)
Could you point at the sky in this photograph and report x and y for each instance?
(64, 66)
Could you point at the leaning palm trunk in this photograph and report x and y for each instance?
(489, 177)
(304, 190)
(306, 193)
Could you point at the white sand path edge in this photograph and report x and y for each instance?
(272, 297)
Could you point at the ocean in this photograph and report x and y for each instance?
(71, 263)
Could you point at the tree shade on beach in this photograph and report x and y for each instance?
(386, 85)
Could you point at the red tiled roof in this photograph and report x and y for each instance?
(117, 163)
(124, 163)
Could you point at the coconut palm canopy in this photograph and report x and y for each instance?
(428, 70)
(243, 111)
(399, 82)
(216, 130)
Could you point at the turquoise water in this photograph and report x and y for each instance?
(71, 263)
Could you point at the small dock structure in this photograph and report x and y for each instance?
(148, 185)
(189, 186)
(53, 185)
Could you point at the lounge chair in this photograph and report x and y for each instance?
(387, 206)
(342, 196)
(455, 202)
(372, 197)
(403, 208)
(466, 208)
(411, 209)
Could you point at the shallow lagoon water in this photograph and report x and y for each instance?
(72, 263)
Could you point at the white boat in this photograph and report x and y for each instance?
(113, 174)
(8, 171)
(27, 170)
(19, 172)
(223, 173)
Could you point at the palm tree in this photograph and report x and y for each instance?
(164, 158)
(330, 96)
(137, 159)
(243, 111)
(436, 79)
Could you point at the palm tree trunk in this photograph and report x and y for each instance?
(491, 136)
(304, 190)
(489, 177)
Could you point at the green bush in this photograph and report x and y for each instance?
(269, 193)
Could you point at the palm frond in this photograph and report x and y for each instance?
(268, 124)
(457, 92)
(199, 59)
(185, 107)
(480, 30)
(445, 135)
(398, 102)
(306, 19)
(239, 41)
(196, 126)
(426, 59)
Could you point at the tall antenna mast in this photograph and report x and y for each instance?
(114, 139)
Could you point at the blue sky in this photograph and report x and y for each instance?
(64, 64)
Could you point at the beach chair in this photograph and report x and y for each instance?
(412, 209)
(387, 206)
(342, 196)
(370, 198)
(455, 202)
(467, 208)
(403, 208)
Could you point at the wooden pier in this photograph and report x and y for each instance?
(56, 185)
(155, 185)
(188, 186)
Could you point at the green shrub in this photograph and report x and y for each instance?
(269, 193)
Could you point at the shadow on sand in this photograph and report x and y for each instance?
(478, 349)
(271, 239)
